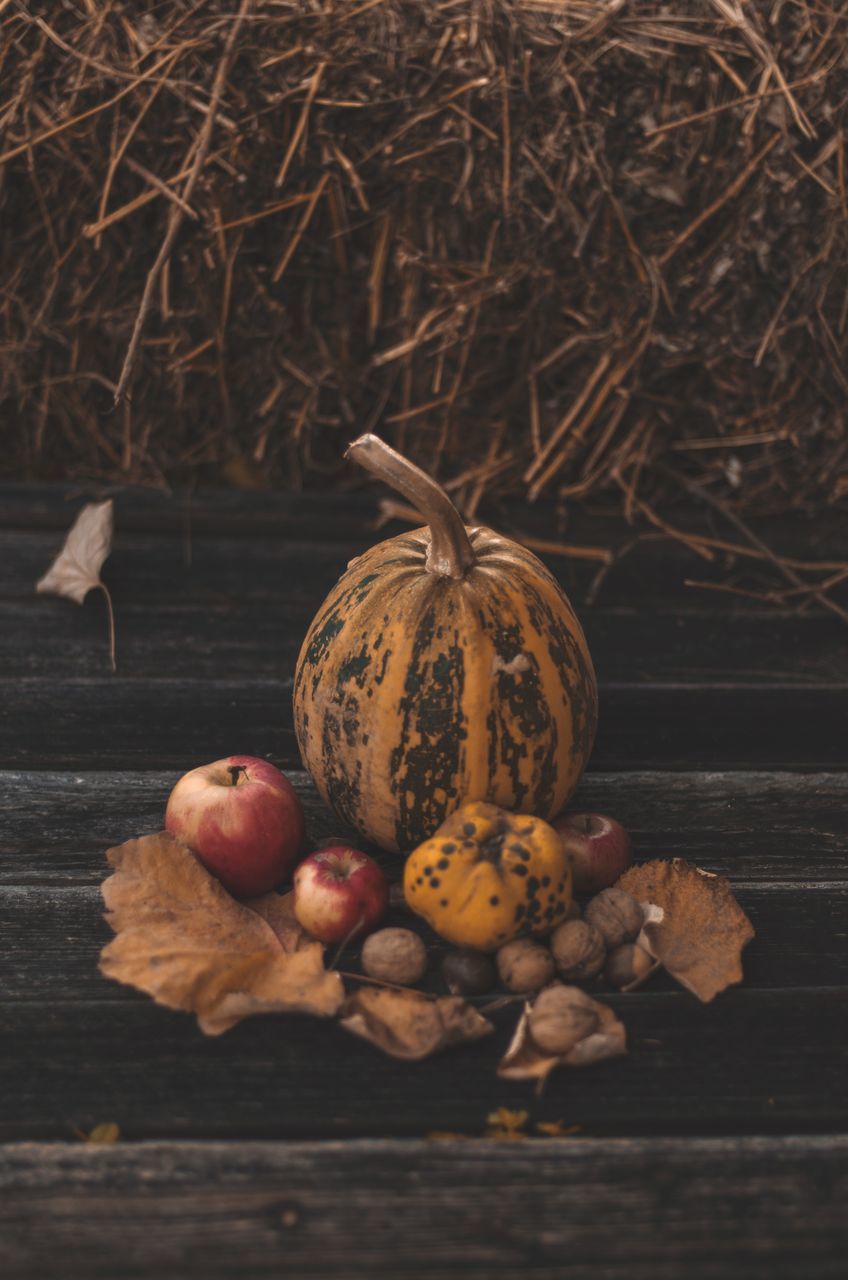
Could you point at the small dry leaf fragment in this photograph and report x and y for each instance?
(410, 1025)
(524, 1060)
(702, 932)
(505, 1118)
(103, 1134)
(504, 1125)
(76, 569)
(181, 938)
(557, 1128)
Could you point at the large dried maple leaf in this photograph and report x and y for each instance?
(181, 938)
(702, 929)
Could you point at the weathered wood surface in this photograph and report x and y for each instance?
(262, 639)
(685, 1062)
(754, 827)
(707, 1209)
(752, 1062)
(791, 922)
(724, 739)
(143, 724)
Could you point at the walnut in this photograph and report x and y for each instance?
(394, 955)
(468, 973)
(629, 965)
(524, 965)
(578, 950)
(616, 916)
(561, 1017)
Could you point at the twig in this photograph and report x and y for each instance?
(301, 124)
(176, 215)
(779, 563)
(729, 192)
(161, 187)
(305, 219)
(728, 106)
(55, 130)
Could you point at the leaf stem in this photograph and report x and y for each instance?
(111, 614)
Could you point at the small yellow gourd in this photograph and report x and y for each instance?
(487, 876)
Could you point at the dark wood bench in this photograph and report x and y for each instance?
(716, 1147)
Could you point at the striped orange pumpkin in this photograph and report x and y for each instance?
(446, 665)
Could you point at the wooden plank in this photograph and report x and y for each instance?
(47, 638)
(113, 722)
(162, 568)
(757, 828)
(50, 939)
(317, 514)
(751, 1062)
(149, 568)
(349, 509)
(756, 1209)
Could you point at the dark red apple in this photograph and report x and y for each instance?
(339, 893)
(242, 819)
(599, 846)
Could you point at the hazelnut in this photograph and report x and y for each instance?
(561, 1017)
(524, 965)
(394, 955)
(616, 916)
(578, 950)
(468, 973)
(628, 964)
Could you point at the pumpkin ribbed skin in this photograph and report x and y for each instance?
(416, 692)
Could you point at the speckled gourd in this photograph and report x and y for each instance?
(487, 876)
(446, 665)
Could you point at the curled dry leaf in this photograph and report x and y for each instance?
(409, 1024)
(702, 930)
(181, 938)
(102, 1134)
(76, 569)
(524, 1060)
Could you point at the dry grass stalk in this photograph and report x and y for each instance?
(538, 245)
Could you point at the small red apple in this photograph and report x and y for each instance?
(339, 893)
(599, 846)
(242, 819)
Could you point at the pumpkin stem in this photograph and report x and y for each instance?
(451, 553)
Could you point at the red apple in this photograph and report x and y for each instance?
(243, 820)
(599, 846)
(339, 893)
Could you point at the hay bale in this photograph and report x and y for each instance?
(548, 248)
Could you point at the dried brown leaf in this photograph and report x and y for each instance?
(409, 1024)
(524, 1060)
(505, 1118)
(76, 569)
(702, 932)
(102, 1134)
(181, 938)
